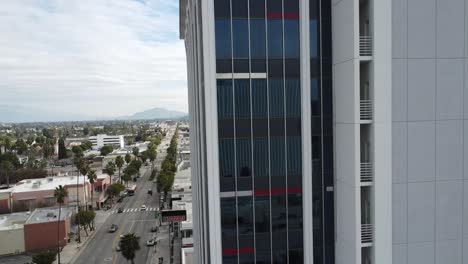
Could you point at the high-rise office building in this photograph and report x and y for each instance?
(328, 131)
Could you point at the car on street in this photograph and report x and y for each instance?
(154, 229)
(120, 210)
(150, 242)
(150, 191)
(113, 228)
(143, 208)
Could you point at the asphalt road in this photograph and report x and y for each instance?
(101, 249)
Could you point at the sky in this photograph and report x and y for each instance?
(92, 57)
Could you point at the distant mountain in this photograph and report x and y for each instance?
(156, 113)
(20, 114)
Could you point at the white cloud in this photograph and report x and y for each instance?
(111, 56)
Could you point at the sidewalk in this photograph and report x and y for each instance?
(72, 250)
(163, 248)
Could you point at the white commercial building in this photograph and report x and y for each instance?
(102, 140)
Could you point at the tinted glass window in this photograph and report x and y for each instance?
(257, 38)
(228, 223)
(276, 98)
(242, 93)
(274, 7)
(275, 38)
(223, 38)
(293, 98)
(222, 8)
(257, 8)
(294, 158)
(244, 157)
(240, 8)
(261, 157)
(225, 99)
(259, 98)
(240, 37)
(291, 38)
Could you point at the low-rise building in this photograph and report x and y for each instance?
(28, 195)
(12, 233)
(102, 140)
(5, 201)
(41, 231)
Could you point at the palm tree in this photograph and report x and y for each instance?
(84, 171)
(129, 245)
(110, 169)
(6, 166)
(128, 158)
(92, 178)
(60, 193)
(119, 161)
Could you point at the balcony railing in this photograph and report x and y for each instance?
(365, 45)
(366, 110)
(366, 172)
(366, 233)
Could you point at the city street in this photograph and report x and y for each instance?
(101, 249)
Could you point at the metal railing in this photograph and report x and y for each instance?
(366, 233)
(366, 172)
(366, 110)
(365, 45)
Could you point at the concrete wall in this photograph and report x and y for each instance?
(12, 241)
(430, 140)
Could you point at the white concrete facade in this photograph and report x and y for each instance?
(102, 140)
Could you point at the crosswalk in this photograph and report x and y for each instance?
(134, 210)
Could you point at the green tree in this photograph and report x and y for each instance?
(46, 257)
(152, 154)
(87, 145)
(110, 170)
(119, 162)
(106, 150)
(60, 193)
(12, 158)
(6, 169)
(129, 245)
(21, 146)
(114, 190)
(128, 158)
(92, 179)
(40, 140)
(62, 151)
(135, 151)
(86, 219)
(126, 177)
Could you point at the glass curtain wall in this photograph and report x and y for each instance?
(259, 122)
(322, 130)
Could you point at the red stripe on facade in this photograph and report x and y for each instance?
(278, 15)
(278, 191)
(233, 251)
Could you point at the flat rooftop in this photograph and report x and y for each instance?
(45, 215)
(13, 221)
(49, 183)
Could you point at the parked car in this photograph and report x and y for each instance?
(120, 200)
(150, 242)
(120, 210)
(143, 208)
(154, 229)
(150, 191)
(113, 228)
